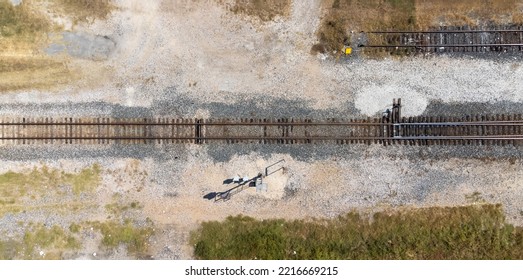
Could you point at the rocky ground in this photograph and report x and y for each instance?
(197, 59)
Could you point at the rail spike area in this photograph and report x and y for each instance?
(390, 129)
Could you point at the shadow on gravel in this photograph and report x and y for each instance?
(258, 107)
(210, 196)
(438, 108)
(70, 109)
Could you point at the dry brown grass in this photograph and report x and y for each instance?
(22, 20)
(23, 34)
(344, 15)
(23, 31)
(266, 10)
(30, 72)
(86, 10)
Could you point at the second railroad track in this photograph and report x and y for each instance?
(390, 129)
(445, 40)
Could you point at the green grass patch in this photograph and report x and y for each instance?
(44, 181)
(471, 232)
(75, 228)
(136, 239)
(39, 242)
(117, 208)
(85, 181)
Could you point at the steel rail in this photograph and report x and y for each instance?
(443, 46)
(515, 122)
(486, 123)
(429, 137)
(445, 31)
(190, 124)
(461, 137)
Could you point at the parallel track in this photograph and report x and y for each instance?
(391, 129)
(458, 39)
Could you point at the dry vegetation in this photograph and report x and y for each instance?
(85, 10)
(135, 238)
(344, 15)
(34, 72)
(266, 10)
(18, 188)
(39, 242)
(48, 189)
(471, 232)
(468, 12)
(21, 20)
(23, 33)
(54, 242)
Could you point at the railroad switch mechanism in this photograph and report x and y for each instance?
(198, 131)
(242, 183)
(390, 128)
(394, 115)
(245, 182)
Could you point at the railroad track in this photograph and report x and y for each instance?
(445, 40)
(388, 130)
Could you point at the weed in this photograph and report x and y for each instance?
(43, 181)
(134, 238)
(117, 209)
(475, 197)
(54, 238)
(39, 242)
(75, 228)
(85, 181)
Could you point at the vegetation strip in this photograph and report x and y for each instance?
(468, 232)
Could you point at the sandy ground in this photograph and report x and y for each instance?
(165, 50)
